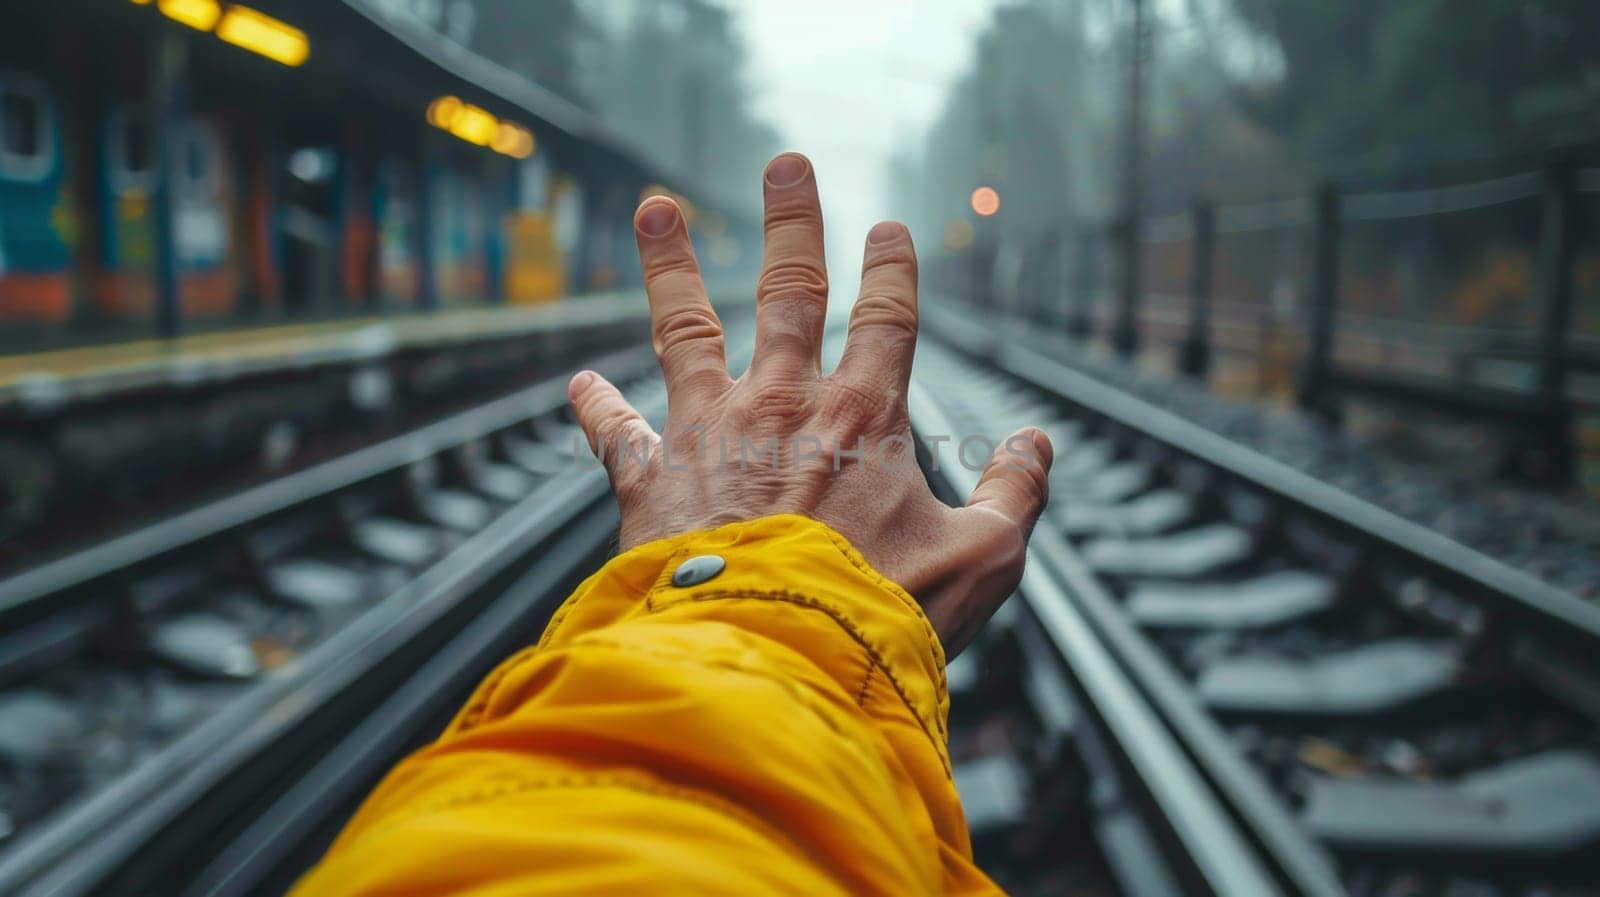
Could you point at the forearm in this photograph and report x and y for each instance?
(779, 727)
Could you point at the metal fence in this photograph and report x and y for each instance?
(1478, 299)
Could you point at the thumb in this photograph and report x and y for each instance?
(616, 431)
(1016, 482)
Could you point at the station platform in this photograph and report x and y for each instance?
(53, 378)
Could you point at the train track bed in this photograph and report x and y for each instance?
(97, 443)
(154, 670)
(1557, 541)
(1002, 749)
(1025, 790)
(1384, 711)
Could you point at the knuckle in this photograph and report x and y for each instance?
(849, 402)
(791, 209)
(793, 277)
(779, 404)
(628, 447)
(687, 326)
(1029, 467)
(630, 487)
(612, 432)
(886, 311)
(591, 408)
(898, 256)
(1019, 475)
(1040, 481)
(613, 423)
(1012, 493)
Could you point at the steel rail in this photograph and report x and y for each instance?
(30, 586)
(66, 855)
(1306, 863)
(1443, 556)
(1201, 823)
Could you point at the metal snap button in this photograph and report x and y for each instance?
(697, 570)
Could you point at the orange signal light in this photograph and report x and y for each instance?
(986, 201)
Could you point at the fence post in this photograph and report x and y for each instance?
(1080, 318)
(1042, 270)
(1196, 357)
(1125, 334)
(1552, 455)
(1315, 385)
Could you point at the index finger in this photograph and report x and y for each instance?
(684, 330)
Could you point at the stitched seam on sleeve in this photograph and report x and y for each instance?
(874, 654)
(861, 693)
(473, 712)
(686, 543)
(844, 548)
(559, 619)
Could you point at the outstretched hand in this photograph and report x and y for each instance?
(787, 438)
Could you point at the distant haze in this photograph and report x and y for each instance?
(850, 83)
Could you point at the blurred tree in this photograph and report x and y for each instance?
(667, 74)
(1031, 118)
(1371, 84)
(670, 74)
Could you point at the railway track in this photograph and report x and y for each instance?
(159, 691)
(1373, 709)
(1220, 677)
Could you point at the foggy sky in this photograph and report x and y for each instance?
(848, 83)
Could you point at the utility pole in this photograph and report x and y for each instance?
(1315, 385)
(1550, 460)
(1196, 355)
(1125, 337)
(991, 170)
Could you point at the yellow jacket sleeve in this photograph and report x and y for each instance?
(777, 729)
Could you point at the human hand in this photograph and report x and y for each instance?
(783, 437)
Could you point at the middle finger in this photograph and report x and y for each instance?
(792, 294)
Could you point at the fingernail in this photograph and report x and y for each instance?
(658, 218)
(883, 232)
(581, 381)
(1042, 446)
(787, 169)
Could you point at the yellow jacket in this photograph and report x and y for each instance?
(778, 729)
